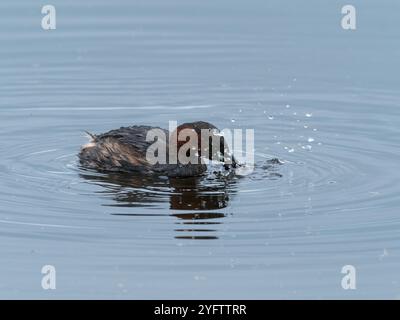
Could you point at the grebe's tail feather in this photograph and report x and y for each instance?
(90, 135)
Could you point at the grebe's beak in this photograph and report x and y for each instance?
(226, 157)
(232, 162)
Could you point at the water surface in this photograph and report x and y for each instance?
(323, 100)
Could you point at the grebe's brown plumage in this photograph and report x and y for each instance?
(124, 150)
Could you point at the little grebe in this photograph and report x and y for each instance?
(126, 150)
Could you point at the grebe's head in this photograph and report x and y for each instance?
(205, 140)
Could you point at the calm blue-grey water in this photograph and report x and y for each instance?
(322, 99)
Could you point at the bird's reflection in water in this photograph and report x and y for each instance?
(200, 197)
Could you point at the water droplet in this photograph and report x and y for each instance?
(384, 254)
(308, 115)
(310, 139)
(271, 117)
